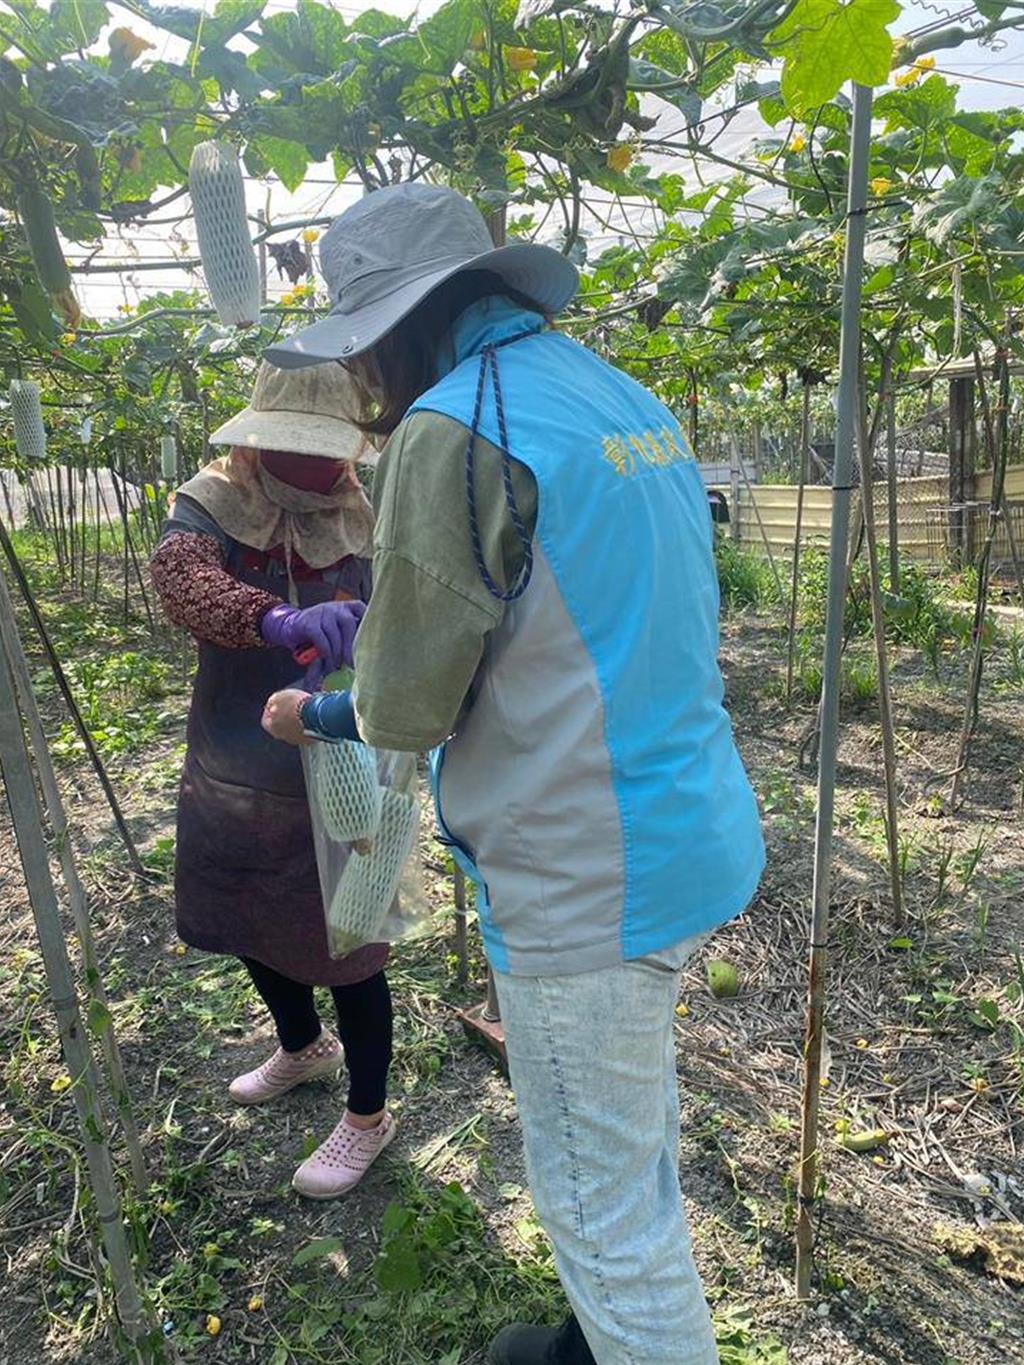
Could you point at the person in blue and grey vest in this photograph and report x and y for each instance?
(545, 617)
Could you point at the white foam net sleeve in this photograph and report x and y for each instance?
(229, 261)
(370, 881)
(27, 413)
(347, 790)
(168, 457)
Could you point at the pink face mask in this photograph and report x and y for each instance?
(310, 473)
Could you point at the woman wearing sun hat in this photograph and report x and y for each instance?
(589, 783)
(266, 554)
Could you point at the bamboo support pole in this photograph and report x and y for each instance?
(893, 492)
(892, 833)
(120, 483)
(143, 1342)
(65, 689)
(849, 364)
(77, 899)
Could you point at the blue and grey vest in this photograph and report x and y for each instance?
(593, 789)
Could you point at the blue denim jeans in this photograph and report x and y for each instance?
(592, 1061)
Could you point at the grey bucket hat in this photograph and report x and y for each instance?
(388, 251)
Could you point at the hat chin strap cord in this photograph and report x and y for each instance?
(489, 366)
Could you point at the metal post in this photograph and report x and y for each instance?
(483, 1022)
(794, 590)
(492, 1010)
(846, 425)
(734, 490)
(461, 935)
(261, 255)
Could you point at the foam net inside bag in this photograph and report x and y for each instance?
(347, 790)
(365, 812)
(369, 884)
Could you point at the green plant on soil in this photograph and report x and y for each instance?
(744, 579)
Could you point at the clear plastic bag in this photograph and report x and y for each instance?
(365, 809)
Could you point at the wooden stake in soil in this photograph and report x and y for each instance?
(10, 642)
(999, 435)
(892, 833)
(760, 524)
(846, 424)
(144, 1342)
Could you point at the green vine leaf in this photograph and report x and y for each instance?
(825, 43)
(286, 159)
(958, 205)
(77, 23)
(653, 80)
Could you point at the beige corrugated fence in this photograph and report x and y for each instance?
(923, 516)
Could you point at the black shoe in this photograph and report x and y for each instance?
(565, 1345)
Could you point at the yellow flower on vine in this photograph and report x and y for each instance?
(797, 144)
(620, 157)
(127, 45)
(914, 73)
(287, 300)
(881, 186)
(520, 58)
(310, 235)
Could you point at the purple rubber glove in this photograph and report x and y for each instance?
(329, 627)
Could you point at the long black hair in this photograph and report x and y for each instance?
(404, 363)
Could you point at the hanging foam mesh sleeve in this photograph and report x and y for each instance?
(168, 458)
(347, 790)
(27, 411)
(229, 261)
(369, 884)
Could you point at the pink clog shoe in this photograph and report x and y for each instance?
(339, 1164)
(285, 1070)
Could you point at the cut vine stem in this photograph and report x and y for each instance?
(846, 424)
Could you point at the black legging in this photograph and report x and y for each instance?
(364, 1026)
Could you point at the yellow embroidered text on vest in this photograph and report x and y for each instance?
(627, 454)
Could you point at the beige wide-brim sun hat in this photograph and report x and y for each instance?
(307, 411)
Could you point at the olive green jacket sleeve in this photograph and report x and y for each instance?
(422, 639)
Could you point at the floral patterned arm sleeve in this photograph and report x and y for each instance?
(201, 597)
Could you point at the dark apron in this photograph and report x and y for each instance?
(246, 880)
